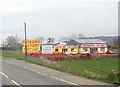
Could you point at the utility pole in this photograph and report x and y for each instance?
(25, 41)
(16, 43)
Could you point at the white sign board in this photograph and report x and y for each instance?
(47, 49)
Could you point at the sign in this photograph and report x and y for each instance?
(32, 45)
(93, 45)
(47, 49)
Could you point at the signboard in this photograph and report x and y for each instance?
(47, 49)
(32, 45)
(93, 45)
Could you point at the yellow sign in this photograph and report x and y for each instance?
(32, 45)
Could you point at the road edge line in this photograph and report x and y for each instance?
(4, 74)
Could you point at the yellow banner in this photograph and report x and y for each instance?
(32, 45)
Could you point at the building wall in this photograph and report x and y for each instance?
(61, 49)
(96, 48)
(88, 50)
(79, 49)
(100, 51)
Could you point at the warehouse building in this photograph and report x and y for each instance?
(89, 45)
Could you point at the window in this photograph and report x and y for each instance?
(72, 49)
(56, 50)
(64, 50)
(103, 49)
(85, 49)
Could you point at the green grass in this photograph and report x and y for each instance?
(13, 54)
(104, 69)
(36, 60)
(20, 56)
(94, 69)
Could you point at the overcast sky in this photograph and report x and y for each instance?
(58, 18)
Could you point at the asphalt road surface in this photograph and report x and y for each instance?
(17, 72)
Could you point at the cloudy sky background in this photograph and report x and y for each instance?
(58, 18)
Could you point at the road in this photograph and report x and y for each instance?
(17, 72)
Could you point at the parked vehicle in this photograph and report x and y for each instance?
(67, 53)
(110, 52)
(84, 52)
(74, 52)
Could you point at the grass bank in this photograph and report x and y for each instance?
(18, 55)
(104, 69)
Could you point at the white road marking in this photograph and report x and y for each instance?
(43, 74)
(11, 80)
(64, 80)
(16, 83)
(4, 74)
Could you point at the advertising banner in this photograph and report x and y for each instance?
(93, 45)
(32, 45)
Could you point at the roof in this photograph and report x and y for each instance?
(89, 40)
(72, 42)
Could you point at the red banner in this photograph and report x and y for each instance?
(93, 45)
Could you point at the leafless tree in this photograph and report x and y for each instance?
(11, 42)
(50, 40)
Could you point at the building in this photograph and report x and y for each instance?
(63, 47)
(89, 45)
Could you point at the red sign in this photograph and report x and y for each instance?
(93, 45)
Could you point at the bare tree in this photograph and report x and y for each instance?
(50, 40)
(10, 43)
(4, 44)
